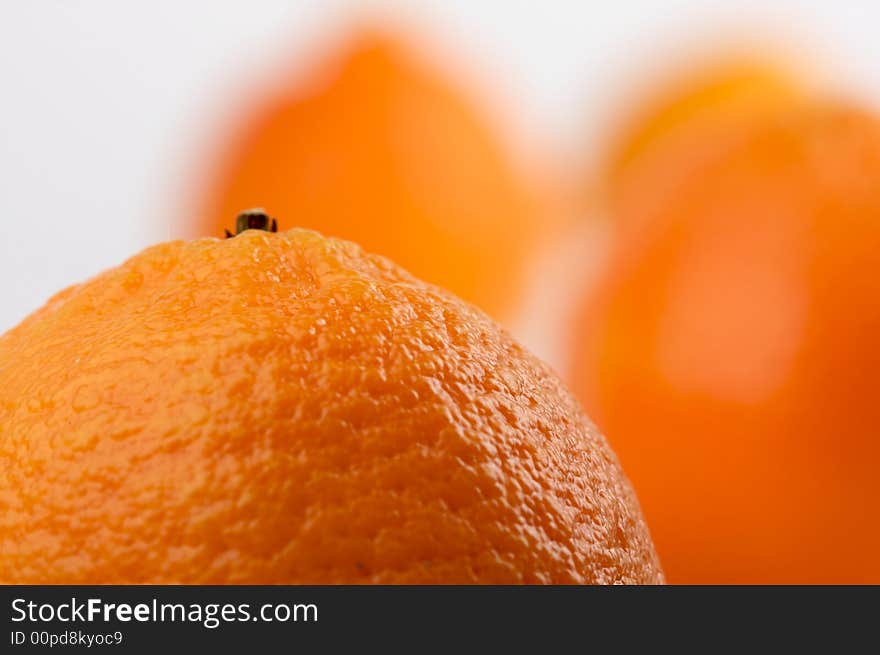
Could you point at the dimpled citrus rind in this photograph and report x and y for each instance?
(284, 408)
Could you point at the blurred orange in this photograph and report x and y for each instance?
(381, 148)
(682, 122)
(732, 353)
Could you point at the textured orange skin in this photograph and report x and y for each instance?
(381, 149)
(731, 356)
(284, 408)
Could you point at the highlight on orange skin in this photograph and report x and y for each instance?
(731, 357)
(380, 147)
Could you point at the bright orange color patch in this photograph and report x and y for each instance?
(686, 123)
(379, 148)
(733, 351)
(284, 408)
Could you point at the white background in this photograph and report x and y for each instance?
(106, 106)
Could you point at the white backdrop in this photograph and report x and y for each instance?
(105, 106)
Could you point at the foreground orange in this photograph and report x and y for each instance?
(732, 354)
(284, 408)
(379, 147)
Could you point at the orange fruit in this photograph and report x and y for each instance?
(730, 355)
(684, 121)
(284, 408)
(379, 146)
